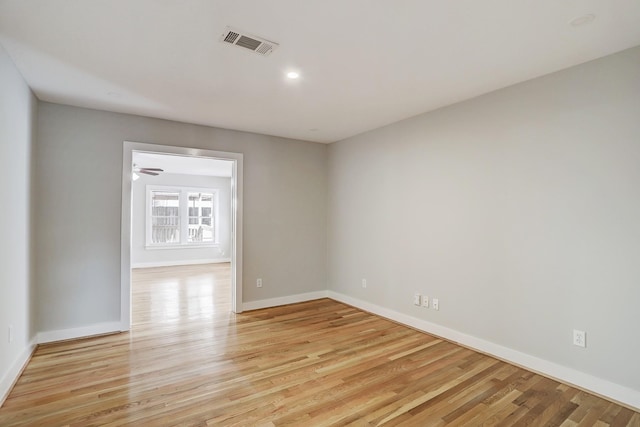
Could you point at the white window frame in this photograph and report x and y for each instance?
(184, 217)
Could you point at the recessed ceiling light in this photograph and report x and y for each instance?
(293, 75)
(582, 20)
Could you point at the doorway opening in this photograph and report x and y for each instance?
(180, 206)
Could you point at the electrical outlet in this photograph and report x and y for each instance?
(259, 283)
(416, 299)
(579, 338)
(364, 283)
(435, 303)
(425, 301)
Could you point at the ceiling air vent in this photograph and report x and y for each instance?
(247, 41)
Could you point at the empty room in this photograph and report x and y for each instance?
(319, 213)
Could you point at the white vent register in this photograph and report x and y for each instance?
(256, 44)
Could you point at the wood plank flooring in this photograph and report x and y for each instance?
(189, 361)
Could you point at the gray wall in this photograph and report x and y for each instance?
(78, 160)
(17, 132)
(519, 210)
(141, 256)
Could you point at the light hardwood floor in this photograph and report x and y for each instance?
(189, 361)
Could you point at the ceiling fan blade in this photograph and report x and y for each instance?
(146, 172)
(152, 169)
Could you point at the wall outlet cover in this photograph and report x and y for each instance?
(579, 338)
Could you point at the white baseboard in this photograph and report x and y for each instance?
(82, 332)
(12, 375)
(624, 395)
(179, 262)
(290, 299)
(627, 396)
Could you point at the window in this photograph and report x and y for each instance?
(165, 217)
(181, 216)
(201, 217)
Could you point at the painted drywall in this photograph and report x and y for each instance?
(519, 210)
(141, 256)
(78, 195)
(17, 131)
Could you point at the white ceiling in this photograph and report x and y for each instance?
(184, 165)
(363, 63)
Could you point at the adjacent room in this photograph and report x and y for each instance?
(180, 239)
(319, 213)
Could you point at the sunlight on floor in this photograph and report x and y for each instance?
(168, 295)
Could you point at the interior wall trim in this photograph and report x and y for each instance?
(625, 396)
(11, 376)
(290, 299)
(180, 262)
(76, 333)
(617, 393)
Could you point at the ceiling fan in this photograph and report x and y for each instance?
(147, 171)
